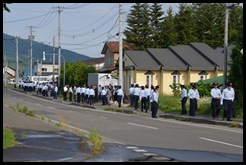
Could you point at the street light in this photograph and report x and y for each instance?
(53, 65)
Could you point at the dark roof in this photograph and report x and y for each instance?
(94, 61)
(192, 57)
(142, 60)
(113, 46)
(106, 69)
(209, 52)
(167, 59)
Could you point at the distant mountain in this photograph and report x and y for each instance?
(9, 49)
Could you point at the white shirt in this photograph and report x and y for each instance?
(120, 92)
(136, 91)
(228, 94)
(77, 90)
(183, 93)
(56, 89)
(193, 94)
(142, 94)
(215, 92)
(70, 90)
(155, 97)
(65, 89)
(91, 92)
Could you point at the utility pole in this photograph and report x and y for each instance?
(54, 51)
(17, 64)
(5, 68)
(31, 37)
(59, 47)
(120, 50)
(225, 45)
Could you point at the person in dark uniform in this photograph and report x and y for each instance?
(136, 94)
(193, 95)
(215, 102)
(227, 98)
(120, 95)
(155, 104)
(183, 99)
(143, 98)
(131, 96)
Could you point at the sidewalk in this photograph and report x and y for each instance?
(127, 109)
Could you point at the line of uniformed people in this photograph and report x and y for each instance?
(148, 98)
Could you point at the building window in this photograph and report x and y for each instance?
(203, 75)
(44, 69)
(56, 69)
(176, 77)
(147, 80)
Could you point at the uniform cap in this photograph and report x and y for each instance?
(215, 83)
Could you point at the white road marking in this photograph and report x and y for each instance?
(142, 125)
(221, 142)
(131, 147)
(51, 107)
(149, 154)
(140, 150)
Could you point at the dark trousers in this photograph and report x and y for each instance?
(136, 98)
(228, 108)
(143, 104)
(82, 97)
(104, 99)
(119, 98)
(132, 100)
(55, 95)
(193, 107)
(78, 97)
(147, 102)
(91, 99)
(65, 96)
(215, 107)
(154, 109)
(70, 96)
(183, 103)
(86, 98)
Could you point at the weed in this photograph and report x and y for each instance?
(180, 118)
(58, 124)
(83, 145)
(23, 135)
(42, 117)
(25, 109)
(233, 125)
(30, 113)
(96, 140)
(49, 120)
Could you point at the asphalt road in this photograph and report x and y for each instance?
(141, 134)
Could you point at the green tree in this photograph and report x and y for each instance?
(138, 31)
(156, 22)
(5, 7)
(209, 21)
(185, 24)
(169, 33)
(76, 73)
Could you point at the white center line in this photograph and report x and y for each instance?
(142, 125)
(221, 142)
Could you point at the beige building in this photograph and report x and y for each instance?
(182, 64)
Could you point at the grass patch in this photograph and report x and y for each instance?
(236, 125)
(8, 138)
(23, 135)
(96, 140)
(180, 118)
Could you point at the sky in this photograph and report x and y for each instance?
(84, 27)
